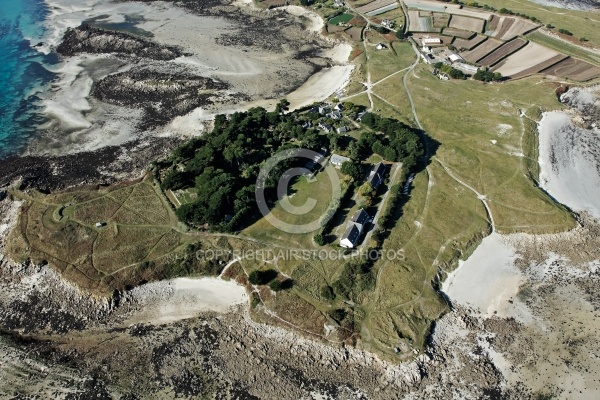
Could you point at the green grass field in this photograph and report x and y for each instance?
(482, 136)
(319, 190)
(341, 19)
(397, 56)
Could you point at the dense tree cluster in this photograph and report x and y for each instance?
(487, 76)
(395, 142)
(223, 165)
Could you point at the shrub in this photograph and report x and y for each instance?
(262, 277)
(327, 292)
(565, 32)
(277, 286)
(319, 239)
(338, 314)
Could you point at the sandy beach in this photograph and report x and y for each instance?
(488, 279)
(183, 298)
(570, 160)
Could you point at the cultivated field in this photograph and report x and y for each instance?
(537, 68)
(468, 44)
(501, 52)
(440, 20)
(355, 33)
(459, 33)
(449, 8)
(581, 23)
(421, 22)
(375, 5)
(574, 69)
(481, 51)
(509, 27)
(467, 23)
(529, 57)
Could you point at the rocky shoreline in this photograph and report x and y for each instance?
(105, 166)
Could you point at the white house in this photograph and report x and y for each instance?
(428, 41)
(338, 160)
(354, 229)
(386, 23)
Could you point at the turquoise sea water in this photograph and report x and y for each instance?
(22, 71)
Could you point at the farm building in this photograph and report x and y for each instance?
(376, 175)
(455, 58)
(428, 41)
(471, 69)
(343, 129)
(354, 229)
(338, 160)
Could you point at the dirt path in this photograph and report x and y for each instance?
(479, 195)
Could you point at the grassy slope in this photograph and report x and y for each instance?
(565, 47)
(466, 127)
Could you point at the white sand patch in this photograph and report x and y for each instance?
(569, 160)
(183, 298)
(321, 85)
(339, 53)
(488, 279)
(74, 88)
(503, 129)
(316, 23)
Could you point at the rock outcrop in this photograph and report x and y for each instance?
(87, 39)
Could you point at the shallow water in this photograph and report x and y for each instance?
(22, 71)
